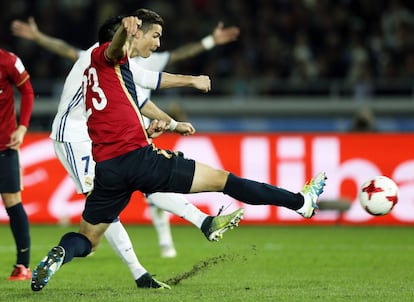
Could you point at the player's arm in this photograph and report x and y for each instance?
(27, 97)
(128, 29)
(153, 112)
(221, 35)
(169, 80)
(161, 80)
(30, 31)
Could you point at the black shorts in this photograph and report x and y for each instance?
(147, 169)
(10, 172)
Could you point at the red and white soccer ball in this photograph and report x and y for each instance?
(379, 195)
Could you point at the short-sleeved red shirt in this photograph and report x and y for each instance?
(115, 124)
(12, 73)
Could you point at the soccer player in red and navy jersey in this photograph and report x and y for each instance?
(126, 160)
(72, 143)
(13, 74)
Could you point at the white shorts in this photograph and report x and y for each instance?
(78, 162)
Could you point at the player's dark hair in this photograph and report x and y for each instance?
(110, 26)
(148, 18)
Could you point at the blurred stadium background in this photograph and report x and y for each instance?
(303, 65)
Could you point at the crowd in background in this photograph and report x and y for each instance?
(302, 43)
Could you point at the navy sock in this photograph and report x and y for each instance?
(19, 224)
(257, 193)
(205, 226)
(75, 245)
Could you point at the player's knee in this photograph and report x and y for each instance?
(94, 240)
(11, 199)
(214, 181)
(219, 180)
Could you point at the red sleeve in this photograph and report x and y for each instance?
(26, 103)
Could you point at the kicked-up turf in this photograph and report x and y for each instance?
(251, 263)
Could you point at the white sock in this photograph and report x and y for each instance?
(118, 238)
(178, 205)
(161, 222)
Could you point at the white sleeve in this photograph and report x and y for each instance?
(141, 96)
(89, 50)
(81, 52)
(144, 77)
(155, 62)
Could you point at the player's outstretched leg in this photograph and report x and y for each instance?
(214, 227)
(147, 281)
(47, 267)
(311, 192)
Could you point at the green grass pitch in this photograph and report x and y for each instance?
(251, 263)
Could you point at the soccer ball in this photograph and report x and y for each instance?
(378, 195)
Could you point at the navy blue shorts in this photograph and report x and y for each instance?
(147, 169)
(10, 172)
